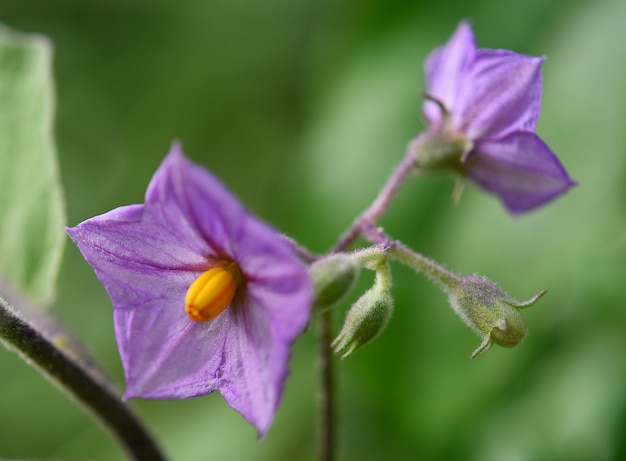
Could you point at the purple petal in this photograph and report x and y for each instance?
(254, 366)
(276, 313)
(165, 354)
(147, 256)
(446, 68)
(242, 352)
(214, 213)
(520, 168)
(502, 94)
(133, 240)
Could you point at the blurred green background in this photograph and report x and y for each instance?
(303, 108)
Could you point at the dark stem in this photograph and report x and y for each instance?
(327, 423)
(95, 396)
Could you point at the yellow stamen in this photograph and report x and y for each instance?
(211, 293)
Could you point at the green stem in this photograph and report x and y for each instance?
(436, 272)
(95, 395)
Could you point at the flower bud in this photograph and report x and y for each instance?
(365, 320)
(489, 311)
(333, 277)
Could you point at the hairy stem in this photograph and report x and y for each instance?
(327, 423)
(80, 383)
(439, 274)
(397, 250)
(378, 207)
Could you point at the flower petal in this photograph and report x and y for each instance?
(200, 197)
(166, 354)
(501, 95)
(258, 350)
(445, 69)
(131, 242)
(274, 277)
(255, 366)
(237, 353)
(520, 168)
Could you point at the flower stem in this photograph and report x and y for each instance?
(373, 213)
(79, 382)
(397, 250)
(326, 429)
(439, 274)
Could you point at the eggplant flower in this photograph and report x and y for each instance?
(485, 104)
(206, 297)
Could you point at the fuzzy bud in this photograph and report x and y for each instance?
(490, 312)
(366, 319)
(333, 277)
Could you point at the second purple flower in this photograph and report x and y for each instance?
(486, 104)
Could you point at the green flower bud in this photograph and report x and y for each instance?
(333, 277)
(364, 322)
(489, 311)
(367, 318)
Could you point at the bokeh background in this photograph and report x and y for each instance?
(303, 108)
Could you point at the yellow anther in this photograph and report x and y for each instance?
(211, 293)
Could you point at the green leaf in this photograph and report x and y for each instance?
(32, 213)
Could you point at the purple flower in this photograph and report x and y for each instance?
(205, 295)
(488, 102)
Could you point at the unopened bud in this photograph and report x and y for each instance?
(365, 320)
(333, 277)
(490, 312)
